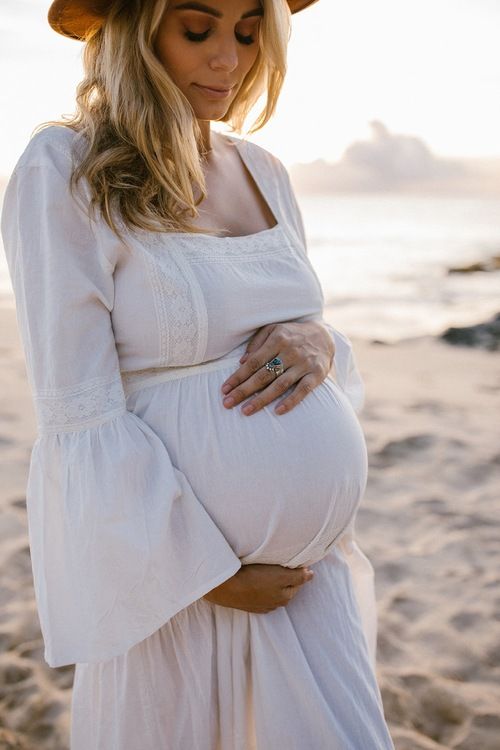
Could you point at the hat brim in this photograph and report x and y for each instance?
(75, 18)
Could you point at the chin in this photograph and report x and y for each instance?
(212, 113)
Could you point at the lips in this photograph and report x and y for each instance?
(214, 94)
(215, 88)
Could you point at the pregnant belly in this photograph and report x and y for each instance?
(280, 488)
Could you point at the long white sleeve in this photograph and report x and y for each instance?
(119, 542)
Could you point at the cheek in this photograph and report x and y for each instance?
(174, 58)
(245, 67)
(248, 58)
(171, 51)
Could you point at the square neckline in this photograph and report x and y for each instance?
(269, 231)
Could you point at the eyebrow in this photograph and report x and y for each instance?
(212, 11)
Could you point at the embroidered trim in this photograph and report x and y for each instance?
(275, 240)
(77, 408)
(177, 313)
(268, 243)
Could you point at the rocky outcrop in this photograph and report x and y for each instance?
(482, 336)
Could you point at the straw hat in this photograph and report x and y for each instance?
(74, 18)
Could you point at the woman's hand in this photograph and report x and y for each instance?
(307, 351)
(260, 588)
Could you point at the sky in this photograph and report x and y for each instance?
(428, 69)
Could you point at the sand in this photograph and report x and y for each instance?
(429, 522)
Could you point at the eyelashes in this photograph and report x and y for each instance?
(201, 37)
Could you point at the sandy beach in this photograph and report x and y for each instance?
(429, 522)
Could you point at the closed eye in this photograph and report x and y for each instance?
(193, 37)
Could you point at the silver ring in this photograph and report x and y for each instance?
(275, 365)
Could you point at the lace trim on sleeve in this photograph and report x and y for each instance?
(81, 407)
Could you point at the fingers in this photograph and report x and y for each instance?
(260, 353)
(301, 576)
(257, 340)
(282, 585)
(297, 576)
(253, 378)
(307, 384)
(276, 386)
(253, 366)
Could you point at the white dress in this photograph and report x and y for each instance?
(145, 492)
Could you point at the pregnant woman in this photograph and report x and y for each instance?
(193, 558)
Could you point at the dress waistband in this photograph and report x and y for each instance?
(134, 380)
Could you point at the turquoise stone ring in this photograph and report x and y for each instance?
(275, 365)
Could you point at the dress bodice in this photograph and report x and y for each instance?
(185, 298)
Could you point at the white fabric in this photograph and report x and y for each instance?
(144, 492)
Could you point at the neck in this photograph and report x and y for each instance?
(206, 137)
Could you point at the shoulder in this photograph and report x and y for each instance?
(56, 145)
(262, 157)
(41, 179)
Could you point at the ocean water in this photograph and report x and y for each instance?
(383, 260)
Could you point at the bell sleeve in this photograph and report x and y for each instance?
(349, 379)
(119, 542)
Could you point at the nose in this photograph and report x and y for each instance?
(225, 56)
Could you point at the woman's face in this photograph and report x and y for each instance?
(206, 46)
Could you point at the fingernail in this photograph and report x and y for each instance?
(243, 358)
(248, 409)
(226, 388)
(229, 401)
(280, 409)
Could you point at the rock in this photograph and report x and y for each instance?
(482, 336)
(493, 264)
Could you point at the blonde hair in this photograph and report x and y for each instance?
(143, 160)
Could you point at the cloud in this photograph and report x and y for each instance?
(396, 162)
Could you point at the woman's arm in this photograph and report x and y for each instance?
(119, 541)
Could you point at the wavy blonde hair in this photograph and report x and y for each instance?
(143, 160)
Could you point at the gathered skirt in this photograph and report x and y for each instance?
(217, 678)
